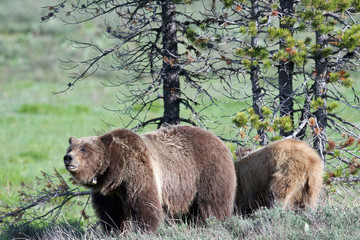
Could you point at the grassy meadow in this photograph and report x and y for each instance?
(35, 125)
(330, 221)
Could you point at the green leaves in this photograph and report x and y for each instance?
(228, 3)
(350, 38)
(253, 56)
(254, 52)
(253, 29)
(332, 106)
(240, 120)
(283, 123)
(275, 33)
(268, 122)
(190, 35)
(196, 39)
(328, 5)
(266, 111)
(317, 103)
(341, 77)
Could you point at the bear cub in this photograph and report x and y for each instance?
(287, 171)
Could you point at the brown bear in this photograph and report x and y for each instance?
(287, 171)
(174, 171)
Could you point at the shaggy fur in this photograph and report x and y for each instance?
(287, 171)
(175, 171)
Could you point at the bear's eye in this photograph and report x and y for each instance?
(83, 150)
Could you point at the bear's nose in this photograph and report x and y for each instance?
(67, 159)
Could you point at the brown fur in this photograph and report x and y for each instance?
(288, 171)
(175, 171)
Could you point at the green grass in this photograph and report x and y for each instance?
(44, 108)
(35, 124)
(330, 221)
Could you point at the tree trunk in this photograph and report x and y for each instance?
(320, 89)
(170, 71)
(254, 75)
(305, 113)
(286, 69)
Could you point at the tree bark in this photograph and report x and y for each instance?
(305, 113)
(170, 70)
(254, 75)
(286, 69)
(320, 89)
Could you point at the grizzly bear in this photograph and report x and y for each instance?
(287, 171)
(174, 171)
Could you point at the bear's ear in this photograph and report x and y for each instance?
(72, 139)
(107, 139)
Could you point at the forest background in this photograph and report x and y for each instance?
(237, 66)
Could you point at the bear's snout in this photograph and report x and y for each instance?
(67, 159)
(70, 163)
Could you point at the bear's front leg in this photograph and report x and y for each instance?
(111, 211)
(146, 210)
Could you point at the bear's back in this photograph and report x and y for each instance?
(292, 151)
(188, 142)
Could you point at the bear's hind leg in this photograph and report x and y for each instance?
(216, 198)
(285, 188)
(310, 193)
(211, 208)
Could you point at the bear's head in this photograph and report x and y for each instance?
(86, 158)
